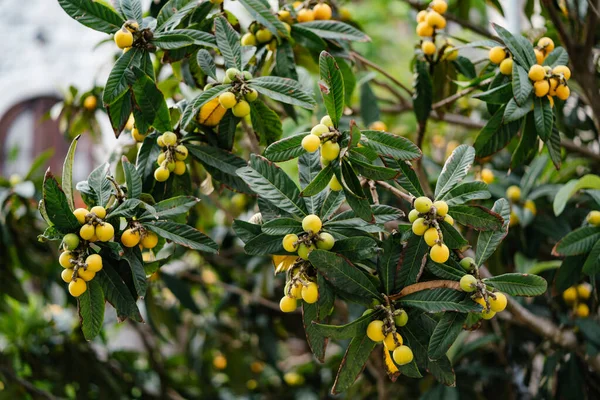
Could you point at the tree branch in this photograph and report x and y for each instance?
(417, 287)
(377, 68)
(396, 192)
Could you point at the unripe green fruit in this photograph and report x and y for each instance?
(70, 241)
(208, 86)
(264, 35)
(304, 250)
(467, 283)
(401, 319)
(312, 223)
(290, 242)
(251, 96)
(226, 80)
(248, 39)
(423, 204)
(319, 129)
(247, 75)
(232, 73)
(413, 215)
(241, 109)
(326, 120)
(467, 263)
(170, 165)
(375, 331)
(326, 241)
(169, 138)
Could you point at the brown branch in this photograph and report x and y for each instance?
(460, 94)
(575, 148)
(29, 387)
(396, 192)
(417, 287)
(377, 68)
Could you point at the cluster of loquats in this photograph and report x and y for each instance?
(259, 35)
(80, 265)
(492, 302)
(171, 159)
(425, 218)
(136, 234)
(501, 56)
(124, 37)
(237, 99)
(513, 194)
(429, 21)
(386, 331)
(304, 13)
(576, 296)
(550, 82)
(300, 283)
(324, 136)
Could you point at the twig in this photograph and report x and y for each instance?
(397, 192)
(377, 68)
(584, 151)
(29, 387)
(460, 94)
(417, 287)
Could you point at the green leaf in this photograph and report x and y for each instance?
(119, 112)
(465, 67)
(146, 161)
(353, 190)
(423, 91)
(67, 173)
(532, 174)
(170, 208)
(331, 204)
(439, 300)
(342, 274)
(129, 208)
(57, 207)
(282, 226)
(133, 256)
(452, 238)
(93, 14)
(390, 145)
(543, 116)
(494, 136)
(91, 310)
(264, 244)
(592, 262)
(356, 248)
(271, 183)
(569, 273)
(369, 109)
(309, 167)
(579, 241)
(409, 179)
(174, 11)
(186, 37)
(476, 217)
(371, 171)
(284, 90)
(100, 184)
(388, 262)
(316, 341)
(286, 149)
(120, 75)
(353, 363)
(117, 293)
(445, 333)
(183, 235)
(348, 77)
(521, 84)
(446, 271)
(347, 331)
(412, 262)
(522, 51)
(457, 166)
(266, 122)
(206, 63)
(332, 87)
(381, 212)
(151, 104)
(518, 284)
(497, 95)
(228, 42)
(130, 9)
(558, 56)
(570, 188)
(554, 148)
(221, 164)
(514, 112)
(319, 183)
(335, 30)
(488, 241)
(264, 15)
(133, 180)
(466, 192)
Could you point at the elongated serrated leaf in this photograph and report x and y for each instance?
(522, 86)
(170, 208)
(67, 173)
(332, 87)
(119, 112)
(423, 91)
(341, 274)
(445, 271)
(388, 262)
(411, 263)
(286, 149)
(315, 339)
(206, 63)
(466, 192)
(579, 241)
(56, 206)
(284, 90)
(543, 116)
(522, 51)
(265, 122)
(516, 284)
(174, 11)
(336, 30)
(558, 56)
(133, 256)
(333, 201)
(273, 184)
(439, 300)
(372, 172)
(309, 167)
(91, 310)
(497, 95)
(228, 41)
(151, 104)
(118, 79)
(100, 184)
(353, 362)
(133, 180)
(452, 237)
(117, 293)
(282, 226)
(183, 235)
(130, 9)
(390, 145)
(445, 333)
(353, 191)
(221, 164)
(588, 181)
(265, 16)
(347, 331)
(356, 248)
(455, 169)
(264, 244)
(591, 266)
(93, 15)
(488, 241)
(514, 112)
(476, 217)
